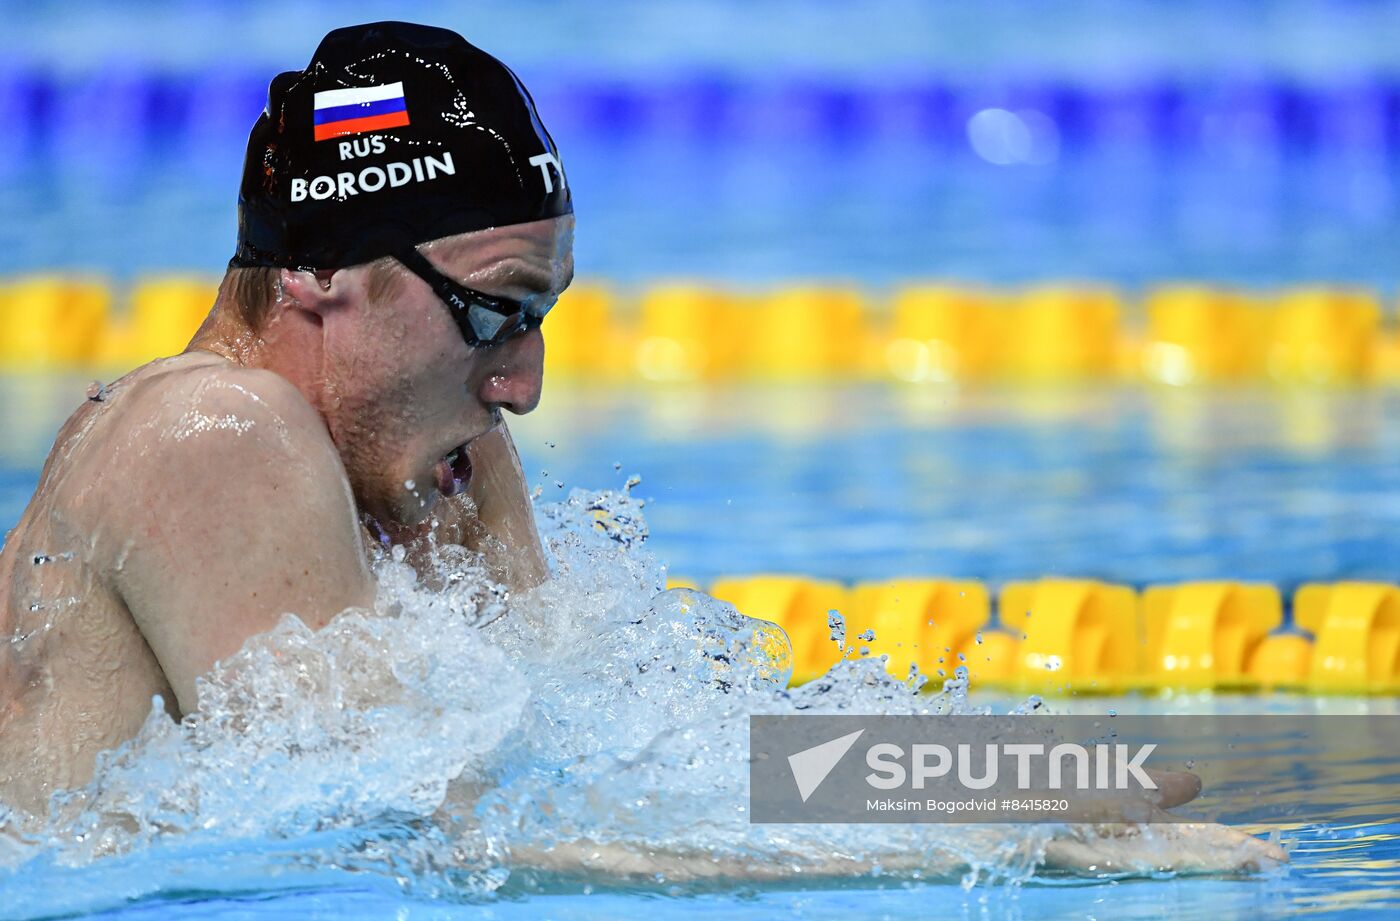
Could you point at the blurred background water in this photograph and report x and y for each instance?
(1127, 142)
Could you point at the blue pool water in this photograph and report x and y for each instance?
(1194, 140)
(1134, 485)
(868, 482)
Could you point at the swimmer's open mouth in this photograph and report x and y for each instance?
(454, 471)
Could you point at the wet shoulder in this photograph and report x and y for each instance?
(196, 384)
(174, 429)
(158, 412)
(197, 402)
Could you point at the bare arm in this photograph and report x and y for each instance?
(1103, 849)
(1079, 850)
(238, 513)
(1098, 849)
(502, 499)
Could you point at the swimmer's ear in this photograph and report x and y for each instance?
(313, 289)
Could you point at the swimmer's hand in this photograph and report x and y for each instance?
(1106, 850)
(1117, 846)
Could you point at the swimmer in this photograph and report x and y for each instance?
(404, 227)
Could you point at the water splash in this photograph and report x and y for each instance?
(454, 726)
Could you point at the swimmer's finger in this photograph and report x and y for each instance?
(1174, 788)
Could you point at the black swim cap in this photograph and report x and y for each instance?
(395, 134)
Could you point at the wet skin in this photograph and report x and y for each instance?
(207, 494)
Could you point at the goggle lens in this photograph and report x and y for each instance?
(483, 319)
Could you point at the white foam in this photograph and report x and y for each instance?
(432, 737)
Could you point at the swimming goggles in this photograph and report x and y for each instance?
(484, 319)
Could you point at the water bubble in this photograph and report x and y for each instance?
(41, 559)
(616, 515)
(410, 485)
(868, 635)
(979, 637)
(837, 625)
(1029, 705)
(97, 391)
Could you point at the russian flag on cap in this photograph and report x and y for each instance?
(359, 109)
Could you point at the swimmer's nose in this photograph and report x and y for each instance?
(517, 373)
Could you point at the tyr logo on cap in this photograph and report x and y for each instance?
(359, 109)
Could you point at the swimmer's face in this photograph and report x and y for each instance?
(408, 393)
